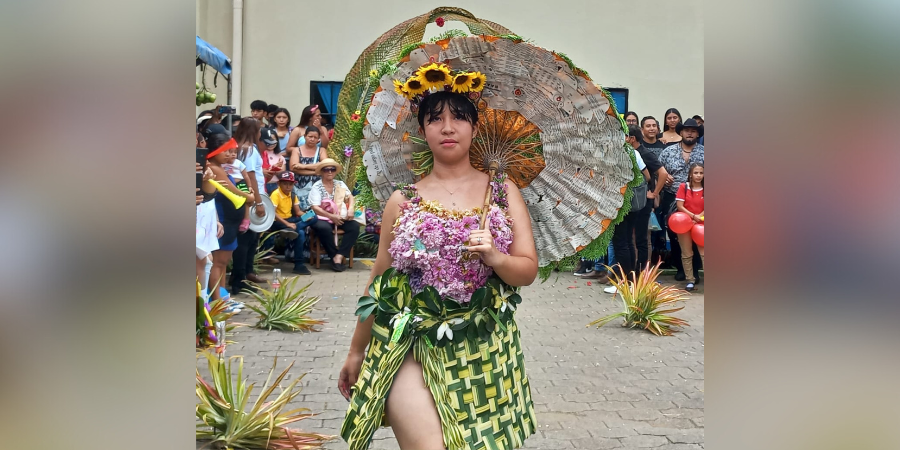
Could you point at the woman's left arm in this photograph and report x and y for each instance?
(519, 267)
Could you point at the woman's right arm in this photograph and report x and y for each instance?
(383, 261)
(363, 332)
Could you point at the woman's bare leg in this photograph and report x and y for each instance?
(411, 410)
(217, 273)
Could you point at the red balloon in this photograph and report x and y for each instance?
(697, 234)
(680, 222)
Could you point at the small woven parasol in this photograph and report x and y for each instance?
(542, 121)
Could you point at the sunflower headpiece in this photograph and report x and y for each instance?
(435, 77)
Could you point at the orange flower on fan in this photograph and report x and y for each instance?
(355, 116)
(406, 137)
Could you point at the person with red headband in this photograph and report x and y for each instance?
(229, 215)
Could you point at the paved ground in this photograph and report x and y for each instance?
(593, 388)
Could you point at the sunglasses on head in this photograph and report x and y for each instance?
(329, 169)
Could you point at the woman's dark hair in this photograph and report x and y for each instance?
(631, 113)
(310, 129)
(307, 115)
(670, 111)
(271, 108)
(432, 107)
(215, 140)
(286, 112)
(247, 133)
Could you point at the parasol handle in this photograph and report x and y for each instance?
(492, 172)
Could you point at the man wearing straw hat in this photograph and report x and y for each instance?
(334, 205)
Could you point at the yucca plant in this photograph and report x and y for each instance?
(285, 309)
(225, 422)
(645, 302)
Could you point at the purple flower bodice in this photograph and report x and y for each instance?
(429, 243)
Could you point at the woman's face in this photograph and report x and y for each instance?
(631, 120)
(672, 120)
(328, 173)
(449, 137)
(312, 138)
(316, 118)
(697, 175)
(281, 119)
(221, 158)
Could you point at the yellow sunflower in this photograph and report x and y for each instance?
(398, 87)
(477, 83)
(462, 82)
(435, 75)
(373, 73)
(414, 86)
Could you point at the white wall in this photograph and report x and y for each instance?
(654, 48)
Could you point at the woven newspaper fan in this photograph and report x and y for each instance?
(542, 121)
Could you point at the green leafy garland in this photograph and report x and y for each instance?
(439, 321)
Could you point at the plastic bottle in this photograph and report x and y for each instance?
(276, 279)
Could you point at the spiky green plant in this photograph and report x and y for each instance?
(259, 259)
(225, 421)
(285, 309)
(644, 302)
(366, 246)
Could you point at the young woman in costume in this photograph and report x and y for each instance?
(447, 396)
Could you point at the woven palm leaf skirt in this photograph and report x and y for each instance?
(480, 389)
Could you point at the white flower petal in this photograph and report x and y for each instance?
(449, 334)
(442, 329)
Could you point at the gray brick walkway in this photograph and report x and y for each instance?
(593, 388)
